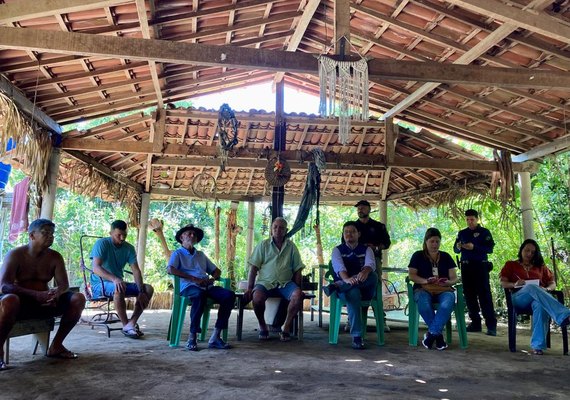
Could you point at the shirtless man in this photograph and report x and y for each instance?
(25, 294)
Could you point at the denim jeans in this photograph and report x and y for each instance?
(199, 297)
(435, 320)
(353, 295)
(543, 306)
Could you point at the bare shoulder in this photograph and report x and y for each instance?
(17, 253)
(53, 255)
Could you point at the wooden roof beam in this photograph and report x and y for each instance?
(105, 170)
(268, 60)
(31, 9)
(148, 34)
(469, 56)
(532, 21)
(26, 106)
(302, 25)
(543, 150)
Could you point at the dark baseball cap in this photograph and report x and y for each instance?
(362, 203)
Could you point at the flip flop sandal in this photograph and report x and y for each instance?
(538, 352)
(284, 337)
(263, 335)
(130, 333)
(64, 355)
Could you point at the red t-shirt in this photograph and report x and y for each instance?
(513, 271)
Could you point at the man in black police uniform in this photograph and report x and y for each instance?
(374, 235)
(474, 243)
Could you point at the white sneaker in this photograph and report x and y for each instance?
(386, 328)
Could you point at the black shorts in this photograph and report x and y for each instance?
(30, 309)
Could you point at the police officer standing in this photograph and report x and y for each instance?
(374, 235)
(475, 243)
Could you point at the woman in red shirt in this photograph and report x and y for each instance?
(530, 280)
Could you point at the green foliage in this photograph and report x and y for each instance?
(76, 215)
(551, 194)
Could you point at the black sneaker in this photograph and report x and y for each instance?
(440, 343)
(491, 332)
(219, 344)
(357, 343)
(192, 345)
(329, 289)
(428, 340)
(474, 327)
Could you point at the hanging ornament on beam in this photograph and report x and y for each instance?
(343, 92)
(227, 132)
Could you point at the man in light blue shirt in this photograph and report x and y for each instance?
(197, 275)
(277, 265)
(110, 255)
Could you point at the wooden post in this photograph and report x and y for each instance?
(526, 206)
(48, 200)
(383, 207)
(320, 257)
(250, 235)
(232, 229)
(278, 194)
(217, 235)
(341, 26)
(143, 227)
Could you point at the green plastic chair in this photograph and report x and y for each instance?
(179, 306)
(459, 311)
(336, 304)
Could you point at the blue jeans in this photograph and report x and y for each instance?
(435, 320)
(199, 297)
(353, 295)
(543, 305)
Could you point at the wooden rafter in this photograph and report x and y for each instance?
(268, 60)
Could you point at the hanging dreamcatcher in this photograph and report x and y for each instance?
(343, 92)
(204, 186)
(227, 131)
(277, 172)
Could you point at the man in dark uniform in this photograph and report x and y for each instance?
(474, 243)
(374, 235)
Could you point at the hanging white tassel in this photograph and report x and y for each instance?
(343, 92)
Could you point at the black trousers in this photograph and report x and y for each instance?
(477, 291)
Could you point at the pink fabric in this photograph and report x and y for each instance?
(19, 214)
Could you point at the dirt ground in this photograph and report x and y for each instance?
(122, 368)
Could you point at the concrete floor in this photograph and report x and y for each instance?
(122, 368)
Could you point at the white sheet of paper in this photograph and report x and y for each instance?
(529, 282)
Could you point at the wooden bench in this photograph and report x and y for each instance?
(39, 328)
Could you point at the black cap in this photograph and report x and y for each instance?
(199, 232)
(362, 203)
